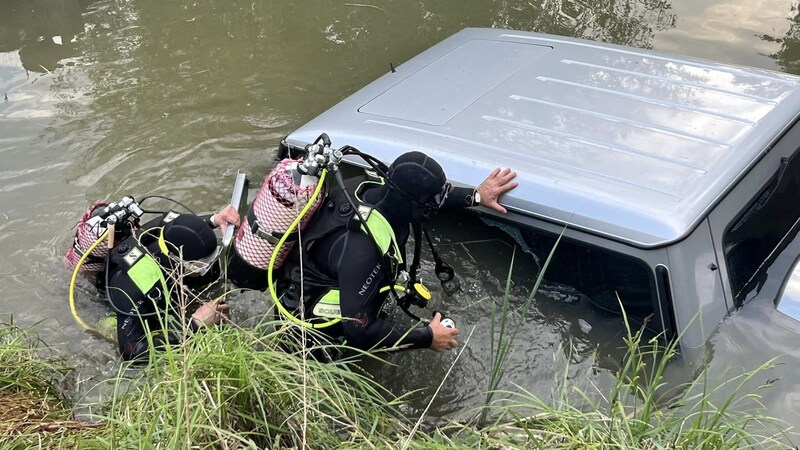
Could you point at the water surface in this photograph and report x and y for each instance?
(99, 99)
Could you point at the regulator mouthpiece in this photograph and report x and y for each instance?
(417, 295)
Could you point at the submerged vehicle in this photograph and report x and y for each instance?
(675, 181)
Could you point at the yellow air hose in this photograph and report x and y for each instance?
(72, 307)
(274, 257)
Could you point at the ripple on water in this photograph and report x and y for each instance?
(175, 109)
(750, 337)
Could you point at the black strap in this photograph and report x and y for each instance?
(90, 259)
(444, 272)
(270, 236)
(417, 251)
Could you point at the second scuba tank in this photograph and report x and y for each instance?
(95, 221)
(89, 230)
(284, 194)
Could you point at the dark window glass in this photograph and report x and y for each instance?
(762, 229)
(602, 275)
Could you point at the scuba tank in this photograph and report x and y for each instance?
(120, 218)
(286, 191)
(97, 231)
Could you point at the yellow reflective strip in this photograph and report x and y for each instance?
(331, 297)
(162, 244)
(328, 305)
(145, 273)
(383, 233)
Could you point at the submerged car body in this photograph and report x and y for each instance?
(674, 180)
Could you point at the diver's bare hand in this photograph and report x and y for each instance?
(228, 215)
(496, 184)
(211, 313)
(443, 337)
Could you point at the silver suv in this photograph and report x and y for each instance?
(675, 178)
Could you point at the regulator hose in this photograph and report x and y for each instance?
(75, 271)
(378, 166)
(274, 257)
(146, 197)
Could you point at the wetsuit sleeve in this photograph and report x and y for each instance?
(360, 278)
(459, 197)
(207, 219)
(132, 334)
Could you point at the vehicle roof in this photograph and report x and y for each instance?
(627, 143)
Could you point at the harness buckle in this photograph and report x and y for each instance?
(402, 278)
(270, 236)
(154, 295)
(364, 211)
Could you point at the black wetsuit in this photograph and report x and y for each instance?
(351, 258)
(142, 313)
(351, 261)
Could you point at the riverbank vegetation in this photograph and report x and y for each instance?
(33, 410)
(234, 388)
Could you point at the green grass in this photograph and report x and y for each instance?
(640, 412)
(233, 388)
(33, 413)
(503, 339)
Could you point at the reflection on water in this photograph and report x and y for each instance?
(43, 31)
(728, 31)
(788, 57)
(108, 98)
(627, 22)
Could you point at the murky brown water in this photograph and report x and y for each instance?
(106, 98)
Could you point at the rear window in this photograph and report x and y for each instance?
(765, 226)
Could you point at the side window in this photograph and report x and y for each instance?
(604, 276)
(763, 228)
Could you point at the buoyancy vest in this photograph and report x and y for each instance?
(142, 292)
(135, 273)
(336, 215)
(136, 267)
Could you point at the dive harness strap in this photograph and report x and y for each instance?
(145, 273)
(405, 302)
(444, 272)
(270, 236)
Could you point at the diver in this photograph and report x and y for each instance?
(152, 278)
(349, 273)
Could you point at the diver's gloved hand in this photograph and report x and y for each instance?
(496, 184)
(228, 215)
(443, 337)
(211, 313)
